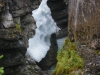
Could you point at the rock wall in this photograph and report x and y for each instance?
(16, 26)
(59, 13)
(50, 58)
(84, 29)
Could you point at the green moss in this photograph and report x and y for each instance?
(68, 60)
(18, 28)
(1, 68)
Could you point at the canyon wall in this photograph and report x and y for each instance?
(16, 26)
(59, 9)
(84, 30)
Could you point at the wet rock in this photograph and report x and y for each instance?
(28, 27)
(20, 8)
(11, 45)
(11, 57)
(59, 13)
(10, 34)
(14, 40)
(62, 33)
(28, 67)
(50, 58)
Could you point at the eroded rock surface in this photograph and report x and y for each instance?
(14, 40)
(84, 29)
(59, 10)
(50, 58)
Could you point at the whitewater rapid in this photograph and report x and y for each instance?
(40, 43)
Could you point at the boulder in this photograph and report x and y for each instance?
(50, 59)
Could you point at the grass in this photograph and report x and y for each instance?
(68, 60)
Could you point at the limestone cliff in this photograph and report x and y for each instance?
(84, 29)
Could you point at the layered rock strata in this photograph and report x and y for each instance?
(59, 10)
(14, 39)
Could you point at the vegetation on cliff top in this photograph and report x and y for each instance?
(68, 60)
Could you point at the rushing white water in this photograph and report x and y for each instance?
(40, 43)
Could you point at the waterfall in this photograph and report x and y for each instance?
(40, 43)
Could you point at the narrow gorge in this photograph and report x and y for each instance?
(49, 37)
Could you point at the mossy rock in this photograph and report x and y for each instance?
(18, 27)
(12, 34)
(68, 60)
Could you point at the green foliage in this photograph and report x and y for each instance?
(1, 56)
(1, 68)
(18, 28)
(68, 60)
